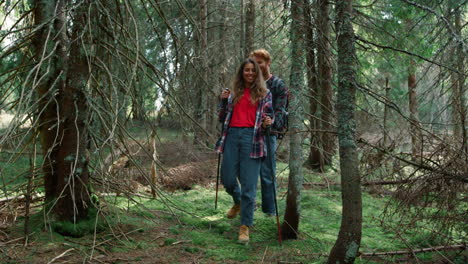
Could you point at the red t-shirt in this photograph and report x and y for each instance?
(244, 112)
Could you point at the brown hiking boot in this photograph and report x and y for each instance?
(234, 211)
(243, 234)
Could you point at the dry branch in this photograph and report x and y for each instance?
(421, 250)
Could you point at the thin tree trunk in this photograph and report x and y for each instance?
(264, 26)
(385, 117)
(458, 86)
(347, 244)
(138, 103)
(202, 102)
(249, 27)
(315, 159)
(242, 32)
(224, 78)
(324, 80)
(415, 127)
(291, 218)
(211, 113)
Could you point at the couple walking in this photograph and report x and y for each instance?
(256, 101)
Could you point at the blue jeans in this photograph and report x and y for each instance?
(237, 165)
(267, 170)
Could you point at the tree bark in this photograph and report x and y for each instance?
(415, 127)
(48, 41)
(249, 27)
(72, 159)
(62, 109)
(385, 117)
(458, 86)
(242, 32)
(315, 159)
(325, 78)
(347, 244)
(291, 218)
(202, 95)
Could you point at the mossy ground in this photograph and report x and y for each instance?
(184, 227)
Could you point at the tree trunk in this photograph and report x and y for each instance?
(138, 102)
(224, 76)
(347, 244)
(324, 79)
(458, 86)
(50, 21)
(415, 127)
(291, 218)
(242, 32)
(72, 158)
(249, 27)
(385, 117)
(213, 67)
(63, 125)
(201, 75)
(315, 159)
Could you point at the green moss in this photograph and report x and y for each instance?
(88, 225)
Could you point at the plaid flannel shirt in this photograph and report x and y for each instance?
(265, 107)
(280, 94)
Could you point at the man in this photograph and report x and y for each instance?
(280, 97)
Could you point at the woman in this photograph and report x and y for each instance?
(244, 113)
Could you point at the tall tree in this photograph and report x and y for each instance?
(415, 126)
(327, 139)
(458, 82)
(249, 27)
(347, 244)
(72, 160)
(242, 47)
(292, 215)
(315, 159)
(62, 107)
(201, 71)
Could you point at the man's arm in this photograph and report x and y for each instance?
(281, 101)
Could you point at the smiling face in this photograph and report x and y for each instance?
(249, 74)
(264, 66)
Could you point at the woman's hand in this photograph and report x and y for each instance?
(225, 94)
(266, 122)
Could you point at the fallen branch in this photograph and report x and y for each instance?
(61, 255)
(421, 250)
(181, 241)
(363, 184)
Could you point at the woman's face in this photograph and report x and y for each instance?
(249, 73)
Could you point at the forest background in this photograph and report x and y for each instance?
(108, 118)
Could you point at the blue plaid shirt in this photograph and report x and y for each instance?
(265, 107)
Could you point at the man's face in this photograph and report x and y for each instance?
(264, 65)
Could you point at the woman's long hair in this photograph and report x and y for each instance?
(258, 89)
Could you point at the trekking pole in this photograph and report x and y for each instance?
(273, 179)
(217, 171)
(217, 181)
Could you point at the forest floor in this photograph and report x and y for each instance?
(182, 226)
